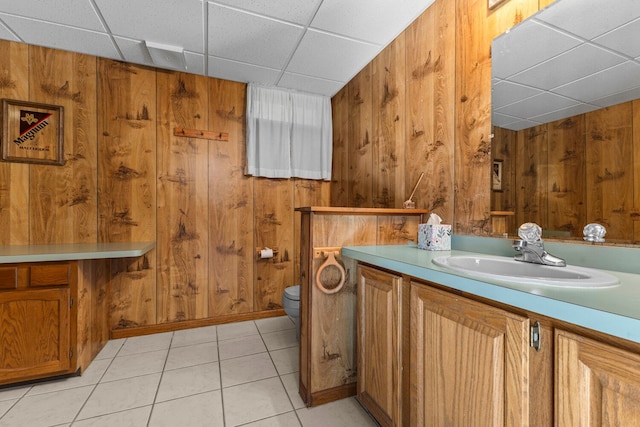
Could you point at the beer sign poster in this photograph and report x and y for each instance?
(32, 132)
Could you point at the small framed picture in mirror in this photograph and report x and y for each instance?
(496, 175)
(494, 3)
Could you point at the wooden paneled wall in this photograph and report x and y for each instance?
(574, 171)
(128, 178)
(424, 105)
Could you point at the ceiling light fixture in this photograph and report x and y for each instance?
(167, 56)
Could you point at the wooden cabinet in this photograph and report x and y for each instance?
(379, 344)
(37, 318)
(596, 384)
(469, 362)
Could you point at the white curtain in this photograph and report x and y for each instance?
(289, 134)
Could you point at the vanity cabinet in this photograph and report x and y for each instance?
(37, 320)
(432, 356)
(468, 361)
(596, 384)
(379, 344)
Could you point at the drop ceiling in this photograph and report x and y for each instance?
(574, 57)
(314, 46)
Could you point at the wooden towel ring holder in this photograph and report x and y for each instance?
(331, 261)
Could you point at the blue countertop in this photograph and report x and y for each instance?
(614, 311)
(72, 251)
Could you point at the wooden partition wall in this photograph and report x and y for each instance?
(127, 177)
(424, 105)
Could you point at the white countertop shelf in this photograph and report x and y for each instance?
(72, 251)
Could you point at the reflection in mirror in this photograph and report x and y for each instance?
(568, 164)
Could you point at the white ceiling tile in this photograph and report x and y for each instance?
(537, 105)
(599, 17)
(586, 59)
(614, 80)
(239, 72)
(618, 98)
(250, 38)
(619, 39)
(62, 37)
(505, 93)
(78, 13)
(319, 53)
(310, 84)
(368, 20)
(564, 113)
(6, 34)
(298, 11)
(531, 44)
(177, 23)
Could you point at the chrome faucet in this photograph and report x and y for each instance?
(531, 247)
(594, 233)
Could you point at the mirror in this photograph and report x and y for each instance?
(566, 119)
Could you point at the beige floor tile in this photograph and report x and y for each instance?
(280, 339)
(198, 354)
(200, 410)
(135, 365)
(91, 376)
(246, 369)
(194, 336)
(110, 349)
(47, 409)
(255, 401)
(243, 346)
(146, 343)
(5, 405)
(292, 386)
(341, 413)
(235, 330)
(137, 417)
(121, 395)
(274, 324)
(289, 419)
(188, 381)
(11, 393)
(285, 360)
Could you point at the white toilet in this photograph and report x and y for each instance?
(291, 304)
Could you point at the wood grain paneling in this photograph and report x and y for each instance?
(273, 210)
(63, 205)
(182, 205)
(359, 150)
(635, 214)
(430, 109)
(340, 159)
(609, 165)
(14, 177)
(388, 117)
(127, 185)
(231, 222)
(531, 177)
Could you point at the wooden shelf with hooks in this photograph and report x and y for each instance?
(202, 134)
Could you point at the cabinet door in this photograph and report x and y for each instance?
(379, 346)
(469, 362)
(596, 384)
(34, 333)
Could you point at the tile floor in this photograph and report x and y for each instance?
(238, 374)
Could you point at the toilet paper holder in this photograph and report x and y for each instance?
(259, 253)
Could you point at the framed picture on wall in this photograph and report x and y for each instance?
(32, 132)
(496, 175)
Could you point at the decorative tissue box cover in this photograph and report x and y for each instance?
(434, 237)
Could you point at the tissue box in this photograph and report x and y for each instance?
(434, 237)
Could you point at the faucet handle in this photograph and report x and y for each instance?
(530, 232)
(594, 233)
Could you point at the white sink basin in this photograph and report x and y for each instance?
(504, 268)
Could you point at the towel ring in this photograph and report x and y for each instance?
(330, 262)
